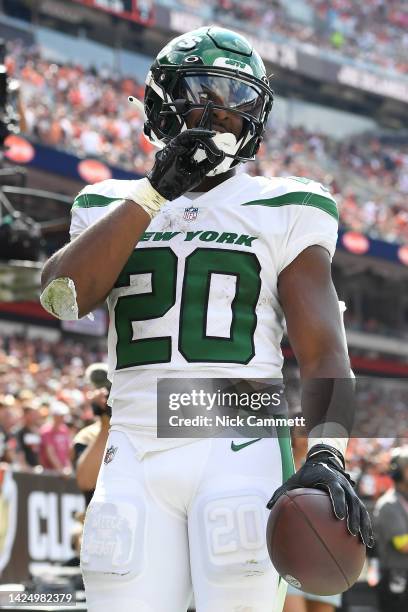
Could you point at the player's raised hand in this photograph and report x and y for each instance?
(175, 170)
(324, 469)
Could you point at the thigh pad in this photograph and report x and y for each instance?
(113, 539)
(231, 532)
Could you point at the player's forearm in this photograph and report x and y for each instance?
(94, 260)
(328, 400)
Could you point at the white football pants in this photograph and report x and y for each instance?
(190, 518)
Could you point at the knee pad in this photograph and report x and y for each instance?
(113, 538)
(231, 532)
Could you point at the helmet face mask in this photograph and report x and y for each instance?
(206, 70)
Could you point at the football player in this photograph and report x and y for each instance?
(199, 265)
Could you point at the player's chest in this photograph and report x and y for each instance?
(203, 286)
(202, 249)
(187, 226)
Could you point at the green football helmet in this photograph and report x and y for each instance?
(209, 68)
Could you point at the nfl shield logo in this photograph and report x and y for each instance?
(110, 453)
(190, 213)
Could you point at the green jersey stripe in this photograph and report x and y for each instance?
(304, 198)
(91, 200)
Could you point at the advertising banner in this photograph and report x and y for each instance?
(37, 519)
(360, 244)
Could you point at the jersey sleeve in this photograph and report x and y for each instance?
(94, 202)
(80, 212)
(79, 221)
(312, 220)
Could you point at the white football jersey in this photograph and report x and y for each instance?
(198, 297)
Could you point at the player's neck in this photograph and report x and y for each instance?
(212, 181)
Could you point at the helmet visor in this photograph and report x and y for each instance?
(223, 91)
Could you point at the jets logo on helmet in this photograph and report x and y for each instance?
(209, 68)
(230, 63)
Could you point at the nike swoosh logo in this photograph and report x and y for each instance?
(237, 447)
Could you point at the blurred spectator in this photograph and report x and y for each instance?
(28, 439)
(89, 444)
(391, 521)
(6, 424)
(56, 440)
(373, 479)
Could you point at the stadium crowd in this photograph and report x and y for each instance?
(87, 113)
(45, 399)
(361, 173)
(374, 31)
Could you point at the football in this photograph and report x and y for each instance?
(310, 548)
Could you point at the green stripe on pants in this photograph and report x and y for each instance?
(288, 468)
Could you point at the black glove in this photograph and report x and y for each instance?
(175, 171)
(322, 470)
